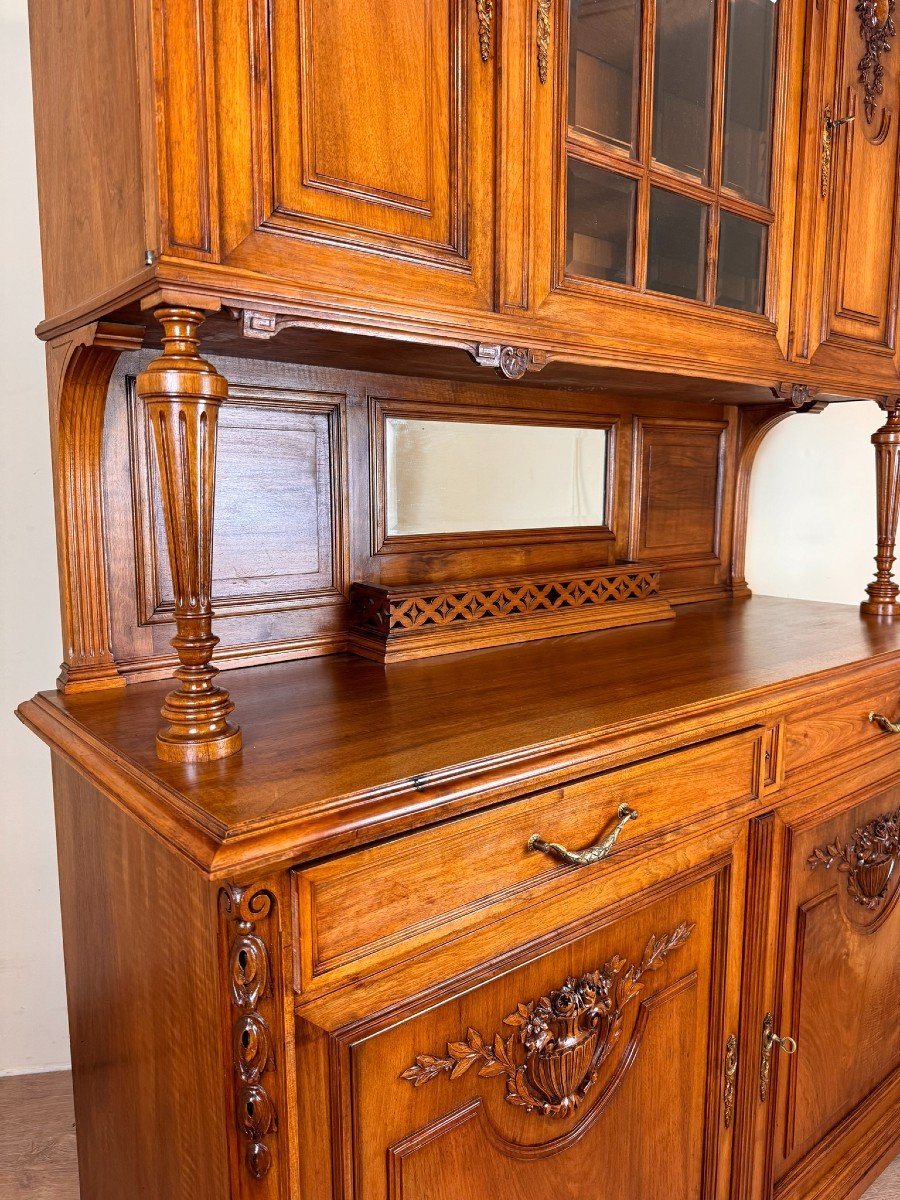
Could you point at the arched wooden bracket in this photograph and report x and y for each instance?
(555, 1047)
(79, 368)
(800, 396)
(510, 362)
(882, 601)
(183, 394)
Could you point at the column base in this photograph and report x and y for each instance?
(880, 608)
(172, 746)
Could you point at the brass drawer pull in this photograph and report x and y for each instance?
(769, 1039)
(884, 723)
(593, 854)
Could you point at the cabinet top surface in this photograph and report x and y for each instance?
(335, 746)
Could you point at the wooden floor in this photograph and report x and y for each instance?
(37, 1142)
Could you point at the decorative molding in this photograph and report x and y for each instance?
(868, 859)
(730, 1081)
(252, 1046)
(882, 591)
(543, 38)
(552, 1058)
(876, 28)
(510, 362)
(418, 621)
(484, 10)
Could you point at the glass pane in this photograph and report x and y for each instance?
(742, 263)
(749, 87)
(676, 255)
(599, 223)
(469, 476)
(604, 67)
(683, 85)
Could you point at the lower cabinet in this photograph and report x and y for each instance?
(838, 1098)
(597, 1062)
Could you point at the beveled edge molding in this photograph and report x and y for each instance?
(868, 859)
(552, 1058)
(390, 624)
(249, 973)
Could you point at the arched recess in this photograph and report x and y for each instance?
(755, 423)
(79, 367)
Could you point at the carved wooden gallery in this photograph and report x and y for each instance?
(408, 359)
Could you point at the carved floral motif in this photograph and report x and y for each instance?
(248, 964)
(876, 26)
(730, 1086)
(868, 859)
(552, 1057)
(543, 38)
(484, 10)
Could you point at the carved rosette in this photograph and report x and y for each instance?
(868, 859)
(552, 1057)
(252, 1048)
(876, 28)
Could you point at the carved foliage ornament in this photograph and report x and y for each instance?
(868, 859)
(484, 10)
(876, 27)
(248, 969)
(543, 38)
(552, 1057)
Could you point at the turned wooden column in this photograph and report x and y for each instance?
(883, 590)
(183, 394)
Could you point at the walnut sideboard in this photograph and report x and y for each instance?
(336, 964)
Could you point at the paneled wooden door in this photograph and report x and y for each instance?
(847, 268)
(602, 1066)
(841, 982)
(355, 143)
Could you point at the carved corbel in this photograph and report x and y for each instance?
(800, 396)
(183, 394)
(79, 368)
(882, 601)
(755, 421)
(510, 362)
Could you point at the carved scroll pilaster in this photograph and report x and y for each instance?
(868, 859)
(252, 1046)
(183, 394)
(79, 367)
(883, 590)
(551, 1057)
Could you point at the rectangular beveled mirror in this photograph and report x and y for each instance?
(454, 477)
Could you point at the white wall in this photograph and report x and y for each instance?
(811, 535)
(33, 1030)
(812, 506)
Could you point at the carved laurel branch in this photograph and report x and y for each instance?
(876, 27)
(868, 859)
(484, 10)
(252, 1048)
(553, 1055)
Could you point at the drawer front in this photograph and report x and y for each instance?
(820, 734)
(371, 906)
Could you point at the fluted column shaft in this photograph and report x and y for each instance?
(883, 590)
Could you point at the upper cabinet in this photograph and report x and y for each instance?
(662, 190)
(355, 146)
(847, 266)
(697, 187)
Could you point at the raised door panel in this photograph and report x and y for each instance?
(358, 134)
(841, 979)
(595, 1067)
(863, 192)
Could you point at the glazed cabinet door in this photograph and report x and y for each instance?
(847, 266)
(665, 177)
(596, 1062)
(355, 146)
(841, 983)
